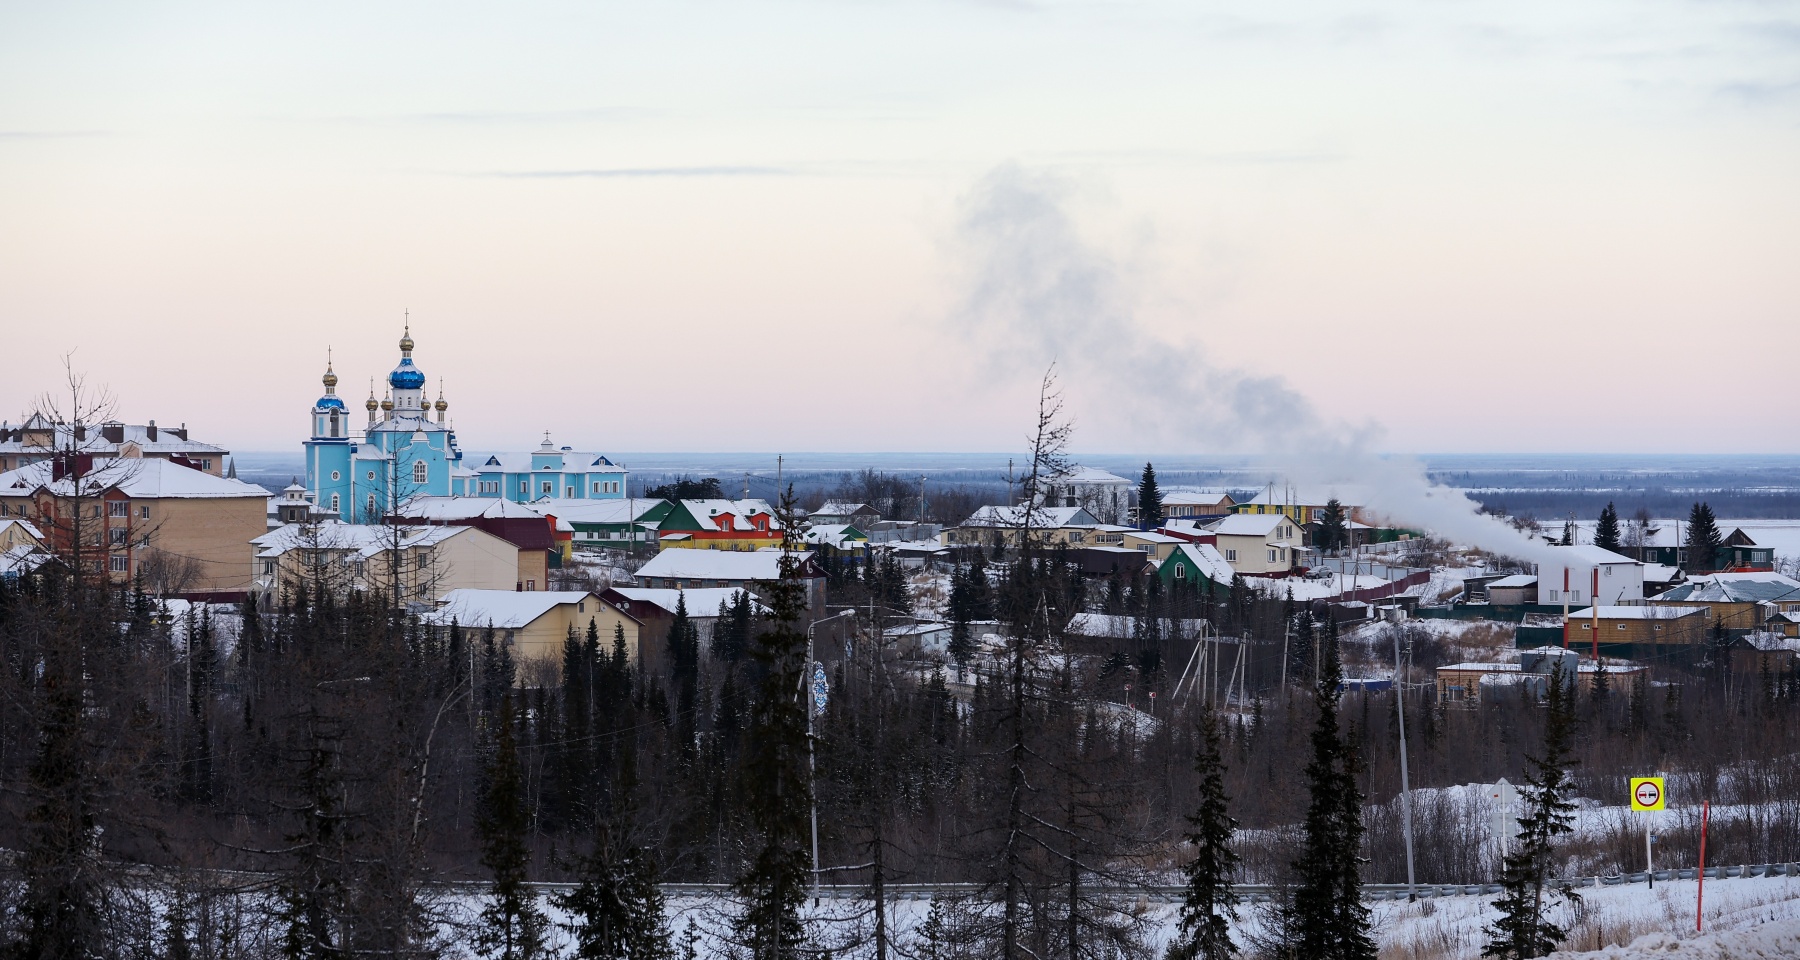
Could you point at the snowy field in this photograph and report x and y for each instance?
(1745, 918)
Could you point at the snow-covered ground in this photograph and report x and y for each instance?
(1745, 918)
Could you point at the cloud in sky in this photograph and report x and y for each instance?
(1411, 214)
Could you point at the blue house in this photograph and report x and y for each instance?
(549, 472)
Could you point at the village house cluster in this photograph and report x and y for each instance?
(391, 504)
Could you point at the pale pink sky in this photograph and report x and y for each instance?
(1484, 226)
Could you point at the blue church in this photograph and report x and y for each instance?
(406, 453)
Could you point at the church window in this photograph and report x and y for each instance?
(371, 506)
(371, 474)
(334, 424)
(596, 486)
(420, 470)
(334, 474)
(334, 502)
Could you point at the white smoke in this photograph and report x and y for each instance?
(1039, 292)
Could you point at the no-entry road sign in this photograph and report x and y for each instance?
(1647, 793)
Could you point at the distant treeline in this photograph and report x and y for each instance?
(1548, 505)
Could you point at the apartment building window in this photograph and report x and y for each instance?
(121, 565)
(118, 508)
(530, 585)
(144, 512)
(268, 568)
(117, 536)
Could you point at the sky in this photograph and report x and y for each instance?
(861, 226)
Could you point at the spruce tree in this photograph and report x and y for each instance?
(1327, 919)
(777, 789)
(1524, 930)
(1606, 532)
(616, 908)
(960, 601)
(1334, 526)
(1150, 505)
(1703, 540)
(511, 927)
(1211, 906)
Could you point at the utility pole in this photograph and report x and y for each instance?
(1412, 892)
(1009, 481)
(921, 498)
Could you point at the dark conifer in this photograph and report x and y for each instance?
(1334, 527)
(778, 790)
(1524, 928)
(1327, 918)
(1211, 906)
(1703, 540)
(1606, 532)
(511, 927)
(1150, 505)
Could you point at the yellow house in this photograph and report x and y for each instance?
(535, 624)
(427, 561)
(1302, 505)
(18, 533)
(1072, 526)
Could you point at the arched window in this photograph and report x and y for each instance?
(334, 423)
(421, 470)
(334, 502)
(371, 506)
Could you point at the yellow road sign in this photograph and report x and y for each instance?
(1647, 793)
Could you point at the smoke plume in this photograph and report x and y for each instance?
(1038, 292)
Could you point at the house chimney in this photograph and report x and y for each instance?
(150, 432)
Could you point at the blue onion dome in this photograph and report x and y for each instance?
(406, 376)
(329, 402)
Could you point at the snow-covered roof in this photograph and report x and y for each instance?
(1661, 573)
(139, 479)
(709, 513)
(1081, 474)
(842, 508)
(1111, 625)
(22, 558)
(1042, 518)
(1769, 642)
(834, 535)
(503, 609)
(1151, 536)
(702, 602)
(99, 439)
(353, 539)
(1194, 498)
(1651, 611)
(1590, 555)
(1249, 524)
(1515, 581)
(466, 508)
(621, 510)
(1208, 558)
(24, 526)
(1347, 494)
(734, 565)
(1761, 587)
